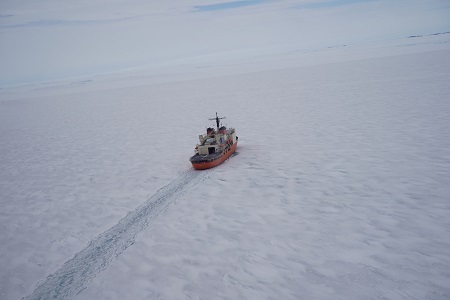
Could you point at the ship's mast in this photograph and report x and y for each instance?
(217, 120)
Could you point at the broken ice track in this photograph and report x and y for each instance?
(74, 275)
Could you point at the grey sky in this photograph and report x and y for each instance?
(50, 40)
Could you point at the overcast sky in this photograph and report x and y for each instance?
(44, 40)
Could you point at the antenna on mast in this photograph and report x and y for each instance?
(217, 120)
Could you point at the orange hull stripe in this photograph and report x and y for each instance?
(214, 163)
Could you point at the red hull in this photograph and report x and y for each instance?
(216, 162)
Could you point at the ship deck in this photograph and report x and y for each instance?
(202, 158)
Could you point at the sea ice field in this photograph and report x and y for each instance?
(339, 188)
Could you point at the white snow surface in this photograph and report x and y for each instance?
(339, 189)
